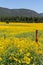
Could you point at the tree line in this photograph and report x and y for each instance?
(22, 19)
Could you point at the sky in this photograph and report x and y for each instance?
(36, 5)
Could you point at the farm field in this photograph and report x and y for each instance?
(18, 44)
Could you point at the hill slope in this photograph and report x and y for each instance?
(18, 12)
(41, 14)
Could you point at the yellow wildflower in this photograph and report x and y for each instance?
(19, 61)
(2, 64)
(18, 46)
(15, 59)
(40, 52)
(0, 59)
(10, 57)
(26, 60)
(20, 50)
(27, 54)
(33, 64)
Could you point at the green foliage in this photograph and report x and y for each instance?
(22, 19)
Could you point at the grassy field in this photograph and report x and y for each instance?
(18, 45)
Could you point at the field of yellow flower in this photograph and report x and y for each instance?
(18, 45)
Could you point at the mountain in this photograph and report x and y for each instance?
(17, 12)
(41, 14)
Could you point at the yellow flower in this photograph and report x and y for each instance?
(40, 52)
(19, 61)
(20, 50)
(12, 54)
(31, 57)
(26, 60)
(15, 59)
(18, 46)
(0, 59)
(10, 57)
(33, 64)
(27, 54)
(2, 64)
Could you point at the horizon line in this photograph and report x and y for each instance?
(22, 8)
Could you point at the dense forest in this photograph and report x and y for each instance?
(22, 19)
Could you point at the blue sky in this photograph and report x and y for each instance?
(36, 5)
